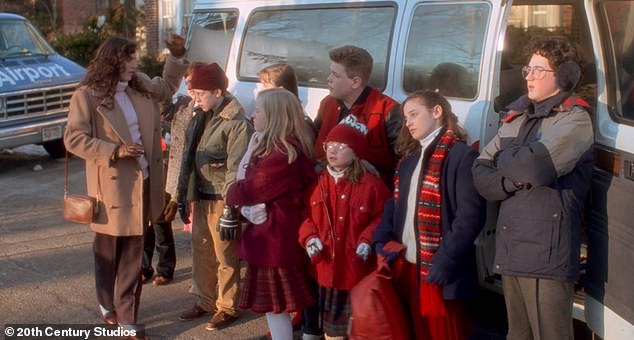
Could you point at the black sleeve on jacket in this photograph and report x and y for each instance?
(527, 164)
(467, 211)
(489, 182)
(393, 124)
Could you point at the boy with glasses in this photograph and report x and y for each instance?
(539, 166)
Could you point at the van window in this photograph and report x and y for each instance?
(617, 32)
(210, 36)
(528, 21)
(444, 48)
(18, 38)
(302, 37)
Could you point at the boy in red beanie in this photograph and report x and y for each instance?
(346, 205)
(216, 141)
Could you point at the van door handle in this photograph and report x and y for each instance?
(629, 170)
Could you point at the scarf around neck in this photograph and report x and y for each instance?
(428, 203)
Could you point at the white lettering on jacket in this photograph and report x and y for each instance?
(12, 75)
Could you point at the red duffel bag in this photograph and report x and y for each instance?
(376, 311)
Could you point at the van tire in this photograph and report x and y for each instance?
(55, 148)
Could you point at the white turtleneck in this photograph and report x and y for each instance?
(336, 174)
(409, 234)
(131, 117)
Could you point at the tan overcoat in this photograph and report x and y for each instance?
(96, 126)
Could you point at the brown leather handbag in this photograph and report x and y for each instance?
(78, 208)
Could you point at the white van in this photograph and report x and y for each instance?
(472, 52)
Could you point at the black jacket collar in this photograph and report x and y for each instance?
(538, 109)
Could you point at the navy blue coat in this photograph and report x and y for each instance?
(463, 214)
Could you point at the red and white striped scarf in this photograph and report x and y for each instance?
(429, 202)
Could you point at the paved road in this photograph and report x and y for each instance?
(46, 266)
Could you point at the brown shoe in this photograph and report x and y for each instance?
(160, 280)
(220, 320)
(110, 318)
(192, 314)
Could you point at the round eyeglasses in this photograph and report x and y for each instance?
(334, 147)
(537, 72)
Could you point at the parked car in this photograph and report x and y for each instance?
(36, 85)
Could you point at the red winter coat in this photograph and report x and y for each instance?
(282, 187)
(355, 210)
(372, 109)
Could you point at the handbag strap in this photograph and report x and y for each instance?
(66, 173)
(66, 157)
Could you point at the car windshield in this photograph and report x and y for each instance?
(18, 38)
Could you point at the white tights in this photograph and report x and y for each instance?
(280, 326)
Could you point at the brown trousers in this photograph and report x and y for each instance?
(538, 309)
(118, 263)
(214, 261)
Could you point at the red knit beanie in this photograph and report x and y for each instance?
(209, 77)
(352, 133)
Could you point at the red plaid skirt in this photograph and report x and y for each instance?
(275, 289)
(335, 311)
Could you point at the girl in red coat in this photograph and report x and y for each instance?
(345, 207)
(271, 195)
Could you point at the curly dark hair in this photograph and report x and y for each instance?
(104, 69)
(406, 144)
(557, 49)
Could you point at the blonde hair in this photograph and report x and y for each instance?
(285, 120)
(354, 171)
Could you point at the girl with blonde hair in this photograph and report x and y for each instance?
(273, 176)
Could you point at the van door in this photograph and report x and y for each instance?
(609, 306)
(451, 47)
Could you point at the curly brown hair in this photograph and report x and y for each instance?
(557, 49)
(105, 68)
(406, 144)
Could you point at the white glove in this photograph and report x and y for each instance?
(363, 250)
(314, 246)
(256, 214)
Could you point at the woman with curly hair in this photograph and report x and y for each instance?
(113, 124)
